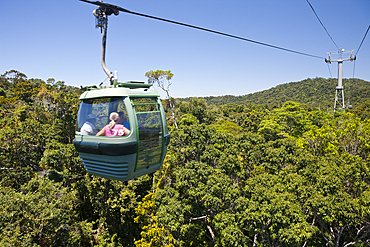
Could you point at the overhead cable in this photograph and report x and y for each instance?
(196, 27)
(329, 70)
(354, 64)
(362, 40)
(322, 24)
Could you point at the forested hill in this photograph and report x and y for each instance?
(317, 92)
(234, 175)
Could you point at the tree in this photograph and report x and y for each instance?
(234, 175)
(43, 214)
(162, 78)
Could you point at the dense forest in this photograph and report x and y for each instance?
(237, 173)
(318, 93)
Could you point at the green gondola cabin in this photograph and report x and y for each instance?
(123, 158)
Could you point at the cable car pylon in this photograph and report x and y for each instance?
(339, 57)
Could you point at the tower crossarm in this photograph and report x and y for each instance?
(340, 56)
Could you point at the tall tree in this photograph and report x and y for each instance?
(163, 80)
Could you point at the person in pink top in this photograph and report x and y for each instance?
(113, 129)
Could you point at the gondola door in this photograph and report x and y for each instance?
(149, 131)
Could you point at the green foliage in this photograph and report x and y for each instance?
(288, 121)
(363, 110)
(37, 216)
(158, 75)
(267, 187)
(188, 120)
(318, 93)
(196, 107)
(284, 174)
(343, 134)
(228, 127)
(163, 81)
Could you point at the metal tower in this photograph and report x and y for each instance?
(339, 57)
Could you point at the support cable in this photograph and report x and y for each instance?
(354, 66)
(329, 70)
(362, 40)
(196, 27)
(349, 84)
(322, 24)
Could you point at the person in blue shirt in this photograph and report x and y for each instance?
(122, 120)
(88, 128)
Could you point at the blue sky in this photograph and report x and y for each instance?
(57, 39)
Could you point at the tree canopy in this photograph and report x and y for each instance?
(317, 93)
(285, 174)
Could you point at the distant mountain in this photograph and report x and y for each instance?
(317, 93)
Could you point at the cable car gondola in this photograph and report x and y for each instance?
(127, 157)
(123, 157)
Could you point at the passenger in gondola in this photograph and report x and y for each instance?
(88, 128)
(123, 120)
(113, 128)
